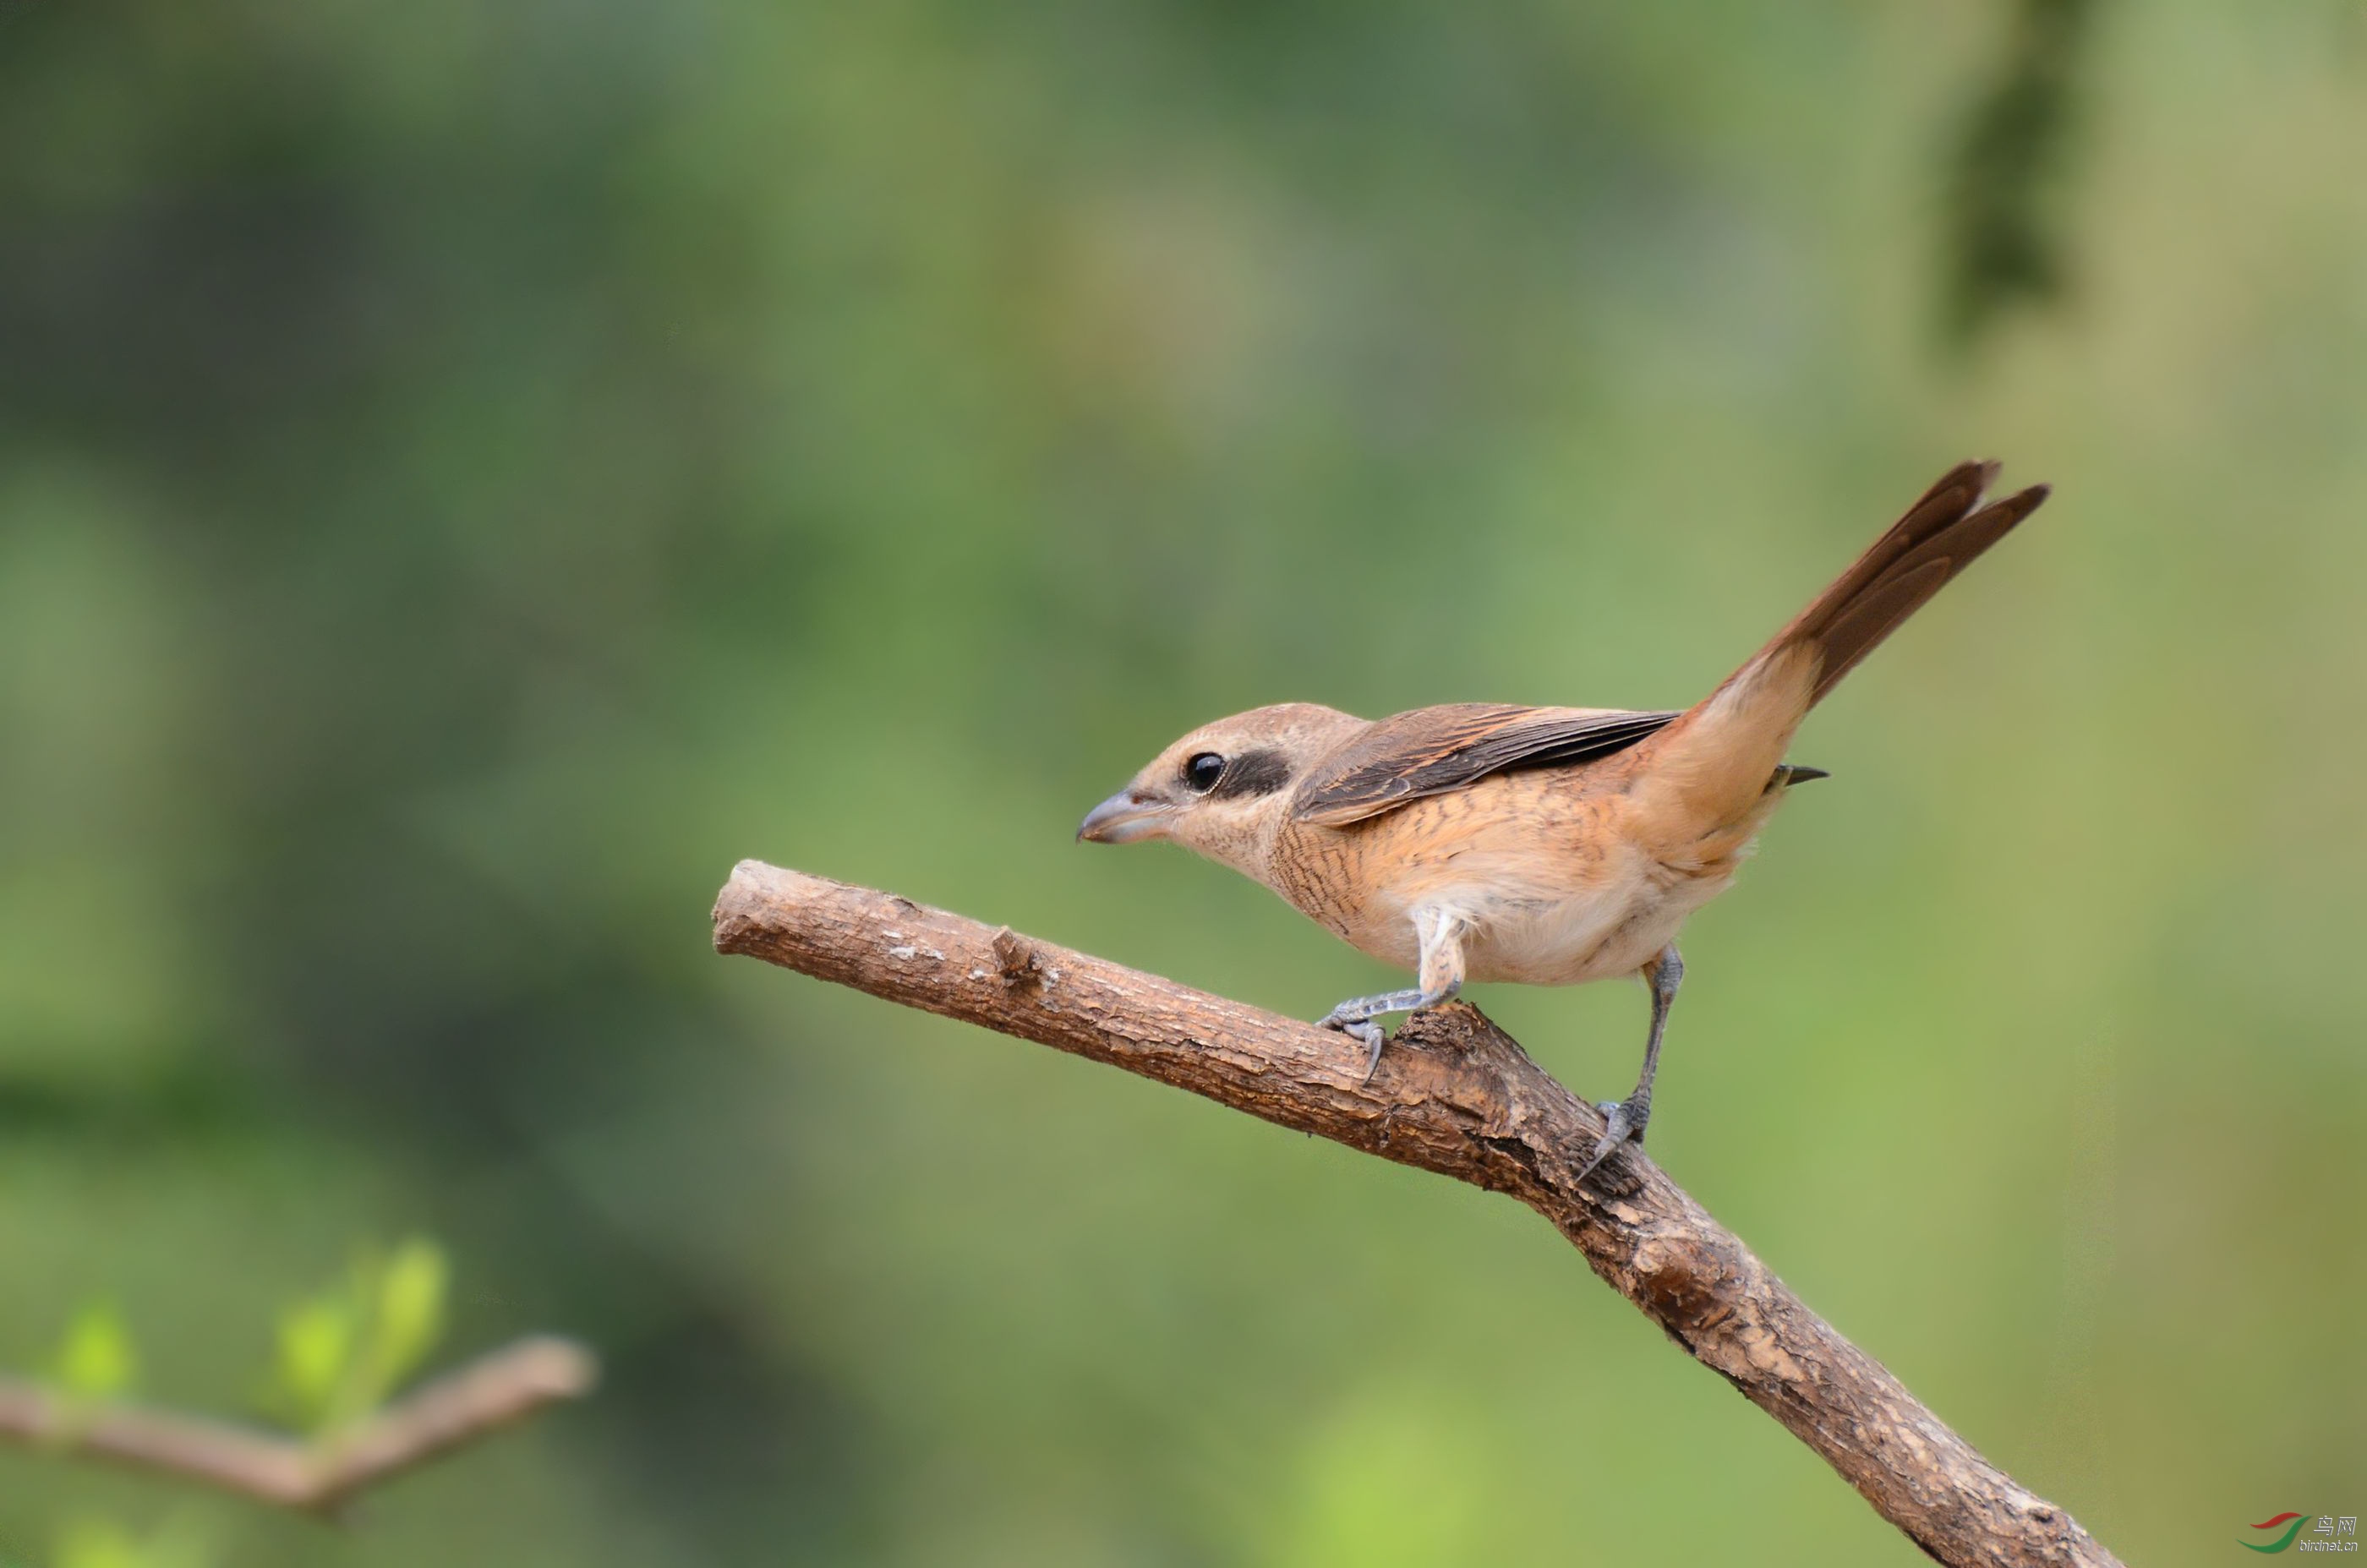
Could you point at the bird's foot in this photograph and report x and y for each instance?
(1358, 1027)
(1623, 1121)
(1354, 1018)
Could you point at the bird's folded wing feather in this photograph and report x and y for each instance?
(1432, 750)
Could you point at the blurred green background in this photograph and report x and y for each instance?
(469, 473)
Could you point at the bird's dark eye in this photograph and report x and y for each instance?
(1203, 771)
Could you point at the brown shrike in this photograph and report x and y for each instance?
(1550, 846)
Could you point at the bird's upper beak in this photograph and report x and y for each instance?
(1125, 817)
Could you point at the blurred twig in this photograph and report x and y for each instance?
(1456, 1095)
(449, 1413)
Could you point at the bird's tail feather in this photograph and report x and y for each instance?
(1720, 755)
(1941, 533)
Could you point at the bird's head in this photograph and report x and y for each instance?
(1224, 789)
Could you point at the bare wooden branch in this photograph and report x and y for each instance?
(1456, 1095)
(448, 1413)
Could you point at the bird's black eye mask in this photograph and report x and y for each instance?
(1250, 773)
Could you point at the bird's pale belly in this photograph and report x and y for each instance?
(1594, 936)
(1534, 877)
(1610, 926)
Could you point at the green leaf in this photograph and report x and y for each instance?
(343, 1352)
(103, 1544)
(316, 1349)
(411, 1297)
(96, 1360)
(99, 1543)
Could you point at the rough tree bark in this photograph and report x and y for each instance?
(1455, 1095)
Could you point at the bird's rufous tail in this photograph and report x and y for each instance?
(1719, 757)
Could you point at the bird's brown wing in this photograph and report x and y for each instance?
(1432, 750)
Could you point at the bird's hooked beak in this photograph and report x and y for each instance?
(1125, 817)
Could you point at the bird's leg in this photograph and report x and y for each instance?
(1441, 934)
(1626, 1118)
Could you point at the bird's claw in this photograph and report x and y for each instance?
(1623, 1121)
(1362, 1029)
